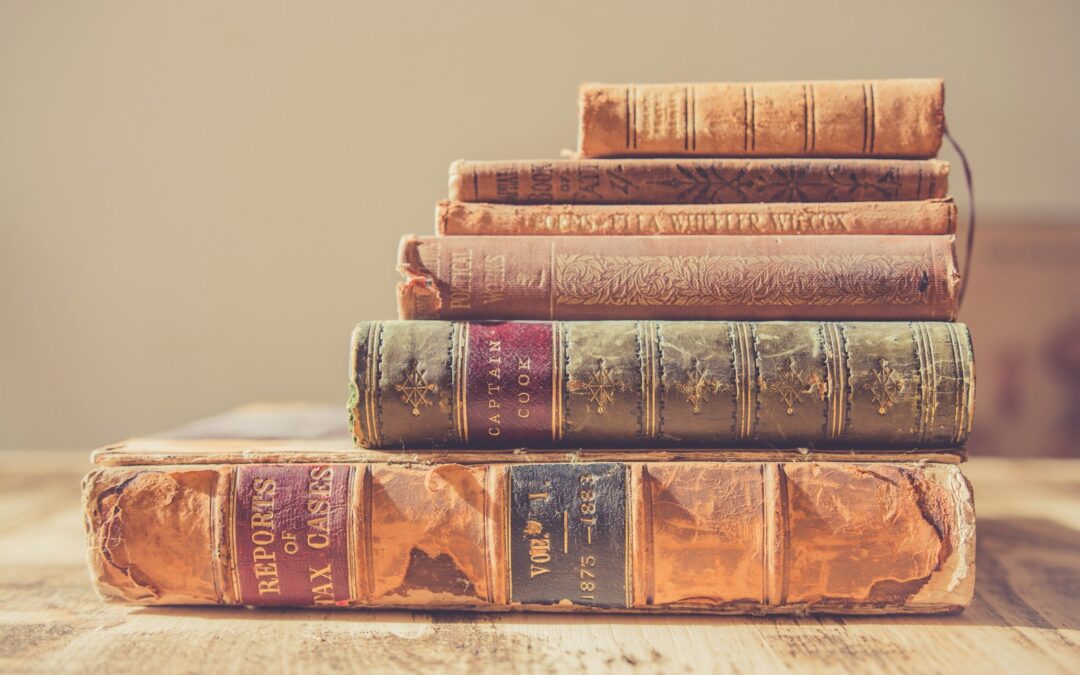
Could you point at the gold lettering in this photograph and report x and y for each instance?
(461, 279)
(262, 520)
(318, 504)
(262, 537)
(539, 554)
(524, 380)
(263, 558)
(323, 573)
(494, 279)
(269, 587)
(322, 523)
(324, 594)
(261, 553)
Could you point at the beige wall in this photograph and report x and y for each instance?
(198, 199)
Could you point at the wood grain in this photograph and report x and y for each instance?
(1025, 615)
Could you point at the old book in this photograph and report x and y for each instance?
(697, 180)
(874, 118)
(650, 384)
(723, 537)
(934, 216)
(679, 277)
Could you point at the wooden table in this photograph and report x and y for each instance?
(1025, 617)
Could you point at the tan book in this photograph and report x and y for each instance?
(806, 276)
(871, 118)
(187, 519)
(936, 216)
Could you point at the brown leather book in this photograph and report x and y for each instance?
(655, 384)
(872, 118)
(870, 277)
(697, 180)
(167, 526)
(935, 216)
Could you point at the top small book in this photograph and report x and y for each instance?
(857, 118)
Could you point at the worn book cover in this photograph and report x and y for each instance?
(806, 276)
(871, 118)
(697, 180)
(186, 519)
(931, 216)
(649, 384)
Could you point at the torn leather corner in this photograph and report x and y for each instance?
(418, 296)
(417, 299)
(149, 535)
(952, 504)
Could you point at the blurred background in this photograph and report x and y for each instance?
(199, 199)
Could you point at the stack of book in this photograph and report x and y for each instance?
(708, 366)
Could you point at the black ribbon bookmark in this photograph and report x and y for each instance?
(971, 214)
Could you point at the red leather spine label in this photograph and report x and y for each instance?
(509, 383)
(290, 532)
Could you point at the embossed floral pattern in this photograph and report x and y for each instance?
(778, 280)
(791, 182)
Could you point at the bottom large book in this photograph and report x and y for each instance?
(191, 520)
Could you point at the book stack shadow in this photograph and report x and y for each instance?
(710, 365)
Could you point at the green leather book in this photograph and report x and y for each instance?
(657, 384)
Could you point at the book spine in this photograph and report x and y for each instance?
(675, 277)
(697, 181)
(616, 537)
(875, 118)
(649, 384)
(924, 217)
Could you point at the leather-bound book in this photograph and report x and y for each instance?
(697, 180)
(655, 384)
(932, 216)
(873, 118)
(865, 277)
(267, 521)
